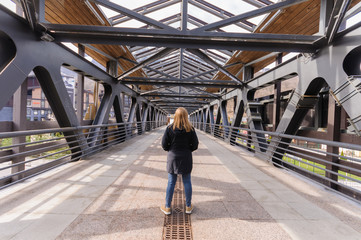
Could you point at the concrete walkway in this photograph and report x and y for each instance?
(116, 194)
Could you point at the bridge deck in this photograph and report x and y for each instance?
(116, 194)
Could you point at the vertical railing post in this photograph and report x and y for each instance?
(211, 119)
(204, 117)
(79, 94)
(131, 117)
(19, 120)
(145, 109)
(333, 134)
(225, 123)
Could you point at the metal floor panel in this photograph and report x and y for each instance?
(178, 224)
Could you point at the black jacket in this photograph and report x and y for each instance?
(180, 145)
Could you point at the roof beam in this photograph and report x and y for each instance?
(194, 96)
(146, 62)
(149, 8)
(250, 14)
(187, 84)
(338, 12)
(221, 13)
(180, 101)
(29, 12)
(164, 38)
(353, 11)
(180, 82)
(146, 67)
(132, 14)
(184, 15)
(210, 61)
(255, 3)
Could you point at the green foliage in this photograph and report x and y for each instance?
(4, 142)
(307, 165)
(57, 155)
(315, 167)
(348, 176)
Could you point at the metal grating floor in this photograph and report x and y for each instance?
(178, 224)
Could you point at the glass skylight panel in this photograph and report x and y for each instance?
(165, 12)
(257, 20)
(108, 12)
(353, 20)
(132, 4)
(202, 14)
(234, 28)
(234, 7)
(8, 4)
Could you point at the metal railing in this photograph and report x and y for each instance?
(24, 154)
(335, 165)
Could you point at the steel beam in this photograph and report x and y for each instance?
(184, 15)
(146, 62)
(146, 9)
(157, 101)
(178, 96)
(202, 40)
(29, 12)
(146, 67)
(338, 12)
(353, 11)
(79, 97)
(325, 13)
(221, 13)
(256, 3)
(132, 14)
(186, 84)
(214, 64)
(247, 15)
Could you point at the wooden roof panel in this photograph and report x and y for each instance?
(300, 19)
(77, 12)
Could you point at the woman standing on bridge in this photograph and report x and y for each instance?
(180, 140)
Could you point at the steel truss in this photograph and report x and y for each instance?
(161, 34)
(25, 53)
(314, 75)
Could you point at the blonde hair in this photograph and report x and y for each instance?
(181, 120)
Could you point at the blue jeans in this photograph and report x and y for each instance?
(172, 179)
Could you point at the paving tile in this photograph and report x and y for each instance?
(109, 205)
(318, 229)
(310, 211)
(12, 223)
(248, 185)
(288, 196)
(145, 208)
(151, 193)
(263, 195)
(64, 205)
(247, 210)
(236, 195)
(209, 210)
(281, 211)
(214, 229)
(206, 195)
(88, 226)
(44, 226)
(259, 229)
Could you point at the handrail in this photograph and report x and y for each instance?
(20, 161)
(303, 155)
